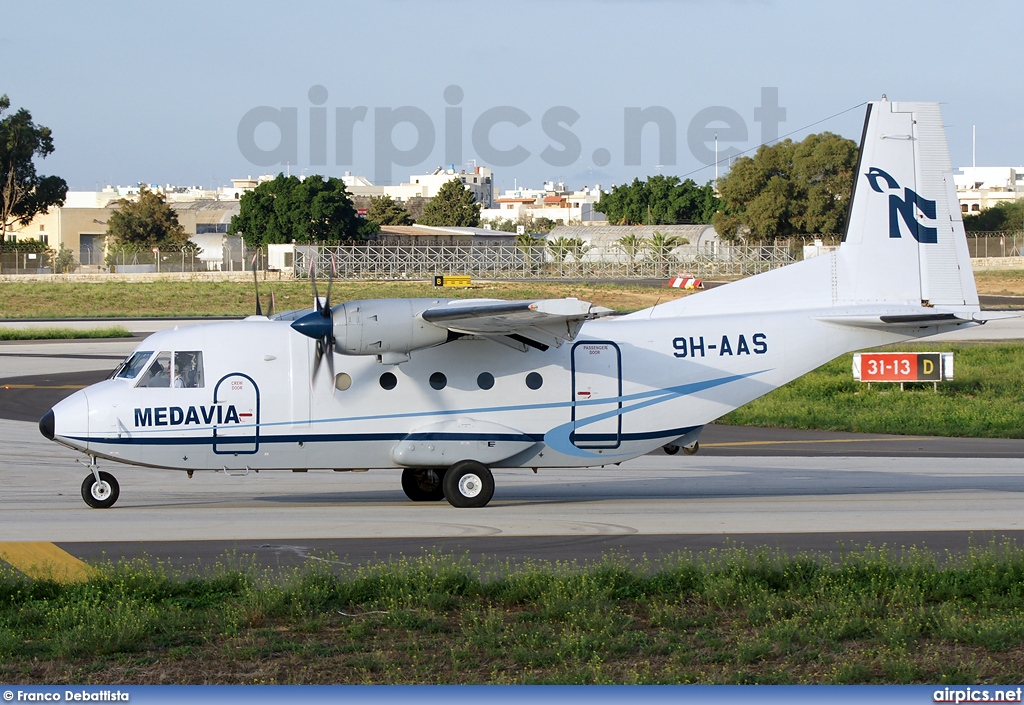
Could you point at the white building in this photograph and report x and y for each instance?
(553, 202)
(982, 187)
(479, 181)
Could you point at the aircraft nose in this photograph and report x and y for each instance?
(68, 421)
(46, 425)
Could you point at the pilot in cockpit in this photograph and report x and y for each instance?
(156, 376)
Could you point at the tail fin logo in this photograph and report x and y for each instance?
(905, 208)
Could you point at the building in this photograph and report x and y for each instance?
(479, 181)
(979, 188)
(433, 235)
(553, 202)
(80, 225)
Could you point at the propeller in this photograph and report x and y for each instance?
(319, 324)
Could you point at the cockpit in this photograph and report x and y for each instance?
(181, 369)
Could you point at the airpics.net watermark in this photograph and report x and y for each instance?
(712, 127)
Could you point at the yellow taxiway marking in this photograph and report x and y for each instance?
(44, 560)
(44, 386)
(821, 440)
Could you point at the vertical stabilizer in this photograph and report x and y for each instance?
(904, 240)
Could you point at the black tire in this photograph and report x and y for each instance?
(468, 484)
(100, 496)
(670, 449)
(423, 485)
(692, 449)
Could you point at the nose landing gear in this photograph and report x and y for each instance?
(99, 489)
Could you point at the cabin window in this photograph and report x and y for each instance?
(438, 380)
(188, 369)
(131, 367)
(534, 380)
(388, 380)
(342, 381)
(485, 380)
(159, 373)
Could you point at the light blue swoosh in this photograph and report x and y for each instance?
(559, 438)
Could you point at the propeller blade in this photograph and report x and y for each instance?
(316, 358)
(256, 283)
(272, 302)
(330, 359)
(312, 279)
(330, 283)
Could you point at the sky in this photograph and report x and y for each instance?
(198, 93)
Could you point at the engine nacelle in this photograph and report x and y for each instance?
(391, 328)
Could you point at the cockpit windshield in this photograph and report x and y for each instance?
(131, 367)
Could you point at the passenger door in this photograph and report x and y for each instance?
(596, 395)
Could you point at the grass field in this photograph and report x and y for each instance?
(986, 399)
(1000, 282)
(115, 299)
(731, 617)
(63, 333)
(173, 298)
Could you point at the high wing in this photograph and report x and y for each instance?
(540, 324)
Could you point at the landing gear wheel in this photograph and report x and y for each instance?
(692, 449)
(102, 494)
(468, 484)
(670, 449)
(423, 485)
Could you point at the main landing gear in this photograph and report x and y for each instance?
(99, 489)
(467, 483)
(423, 485)
(691, 449)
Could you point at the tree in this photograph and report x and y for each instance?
(147, 222)
(287, 209)
(453, 206)
(661, 200)
(505, 225)
(563, 248)
(24, 193)
(632, 245)
(65, 261)
(385, 211)
(1003, 216)
(661, 246)
(526, 241)
(790, 188)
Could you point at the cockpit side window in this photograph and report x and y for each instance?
(131, 367)
(159, 372)
(188, 369)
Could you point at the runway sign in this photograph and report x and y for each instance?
(452, 280)
(903, 367)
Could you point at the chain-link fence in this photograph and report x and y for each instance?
(232, 256)
(995, 244)
(15, 262)
(384, 262)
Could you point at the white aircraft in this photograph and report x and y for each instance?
(448, 390)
